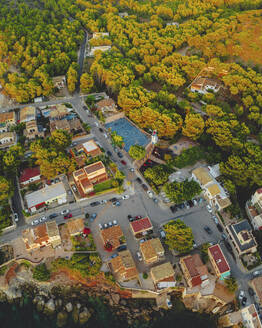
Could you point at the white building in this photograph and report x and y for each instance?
(254, 209)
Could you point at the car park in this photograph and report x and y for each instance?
(123, 162)
(145, 187)
(35, 222)
(16, 218)
(150, 194)
(64, 212)
(94, 204)
(109, 153)
(52, 216)
(139, 180)
(125, 197)
(209, 209)
(119, 154)
(121, 248)
(139, 257)
(68, 216)
(208, 230)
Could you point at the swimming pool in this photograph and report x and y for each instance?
(131, 134)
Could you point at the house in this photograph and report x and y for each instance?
(59, 81)
(113, 236)
(254, 209)
(6, 121)
(98, 48)
(7, 139)
(256, 284)
(212, 190)
(73, 126)
(106, 105)
(241, 237)
(152, 250)
(30, 175)
(219, 262)
(195, 272)
(141, 227)
(55, 112)
(32, 130)
(97, 35)
(53, 233)
(86, 177)
(173, 24)
(122, 15)
(82, 151)
(204, 84)
(246, 317)
(75, 226)
(27, 114)
(123, 267)
(162, 273)
(43, 235)
(46, 196)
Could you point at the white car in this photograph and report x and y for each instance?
(64, 212)
(16, 217)
(96, 123)
(209, 208)
(125, 197)
(105, 135)
(43, 219)
(103, 201)
(100, 226)
(150, 194)
(35, 222)
(215, 219)
(139, 256)
(241, 295)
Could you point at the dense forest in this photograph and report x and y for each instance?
(157, 49)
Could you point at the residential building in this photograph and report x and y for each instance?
(97, 35)
(256, 284)
(212, 190)
(46, 196)
(82, 151)
(113, 236)
(30, 175)
(75, 226)
(6, 121)
(53, 233)
(106, 105)
(241, 237)
(195, 272)
(27, 114)
(254, 209)
(204, 84)
(123, 266)
(152, 250)
(162, 273)
(55, 112)
(141, 227)
(98, 48)
(32, 130)
(7, 139)
(89, 175)
(59, 81)
(246, 317)
(219, 262)
(73, 126)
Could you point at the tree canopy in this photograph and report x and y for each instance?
(178, 192)
(137, 152)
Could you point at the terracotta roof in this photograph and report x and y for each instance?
(214, 189)
(105, 103)
(151, 248)
(123, 266)
(7, 116)
(40, 234)
(194, 265)
(202, 175)
(112, 235)
(219, 258)
(162, 271)
(94, 167)
(141, 225)
(29, 173)
(75, 226)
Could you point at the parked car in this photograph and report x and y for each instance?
(44, 218)
(219, 227)
(93, 216)
(125, 197)
(114, 199)
(121, 248)
(113, 256)
(173, 208)
(224, 236)
(35, 222)
(69, 192)
(100, 226)
(85, 107)
(116, 203)
(138, 217)
(168, 303)
(209, 208)
(74, 188)
(215, 219)
(123, 162)
(94, 204)
(150, 194)
(194, 244)
(68, 216)
(162, 234)
(105, 135)
(190, 202)
(119, 154)
(52, 216)
(101, 130)
(145, 187)
(103, 201)
(132, 169)
(109, 153)
(195, 202)
(241, 295)
(142, 241)
(139, 257)
(256, 273)
(251, 291)
(244, 301)
(139, 180)
(208, 230)
(187, 205)
(155, 200)
(64, 212)
(16, 217)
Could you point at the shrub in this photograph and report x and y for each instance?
(41, 272)
(145, 275)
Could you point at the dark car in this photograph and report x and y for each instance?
(173, 208)
(109, 153)
(112, 200)
(101, 130)
(119, 154)
(52, 216)
(190, 202)
(68, 216)
(208, 230)
(139, 180)
(228, 246)
(121, 248)
(94, 204)
(123, 162)
(144, 187)
(219, 227)
(130, 218)
(251, 292)
(181, 206)
(244, 301)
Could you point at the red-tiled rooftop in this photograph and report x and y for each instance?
(141, 225)
(29, 173)
(219, 258)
